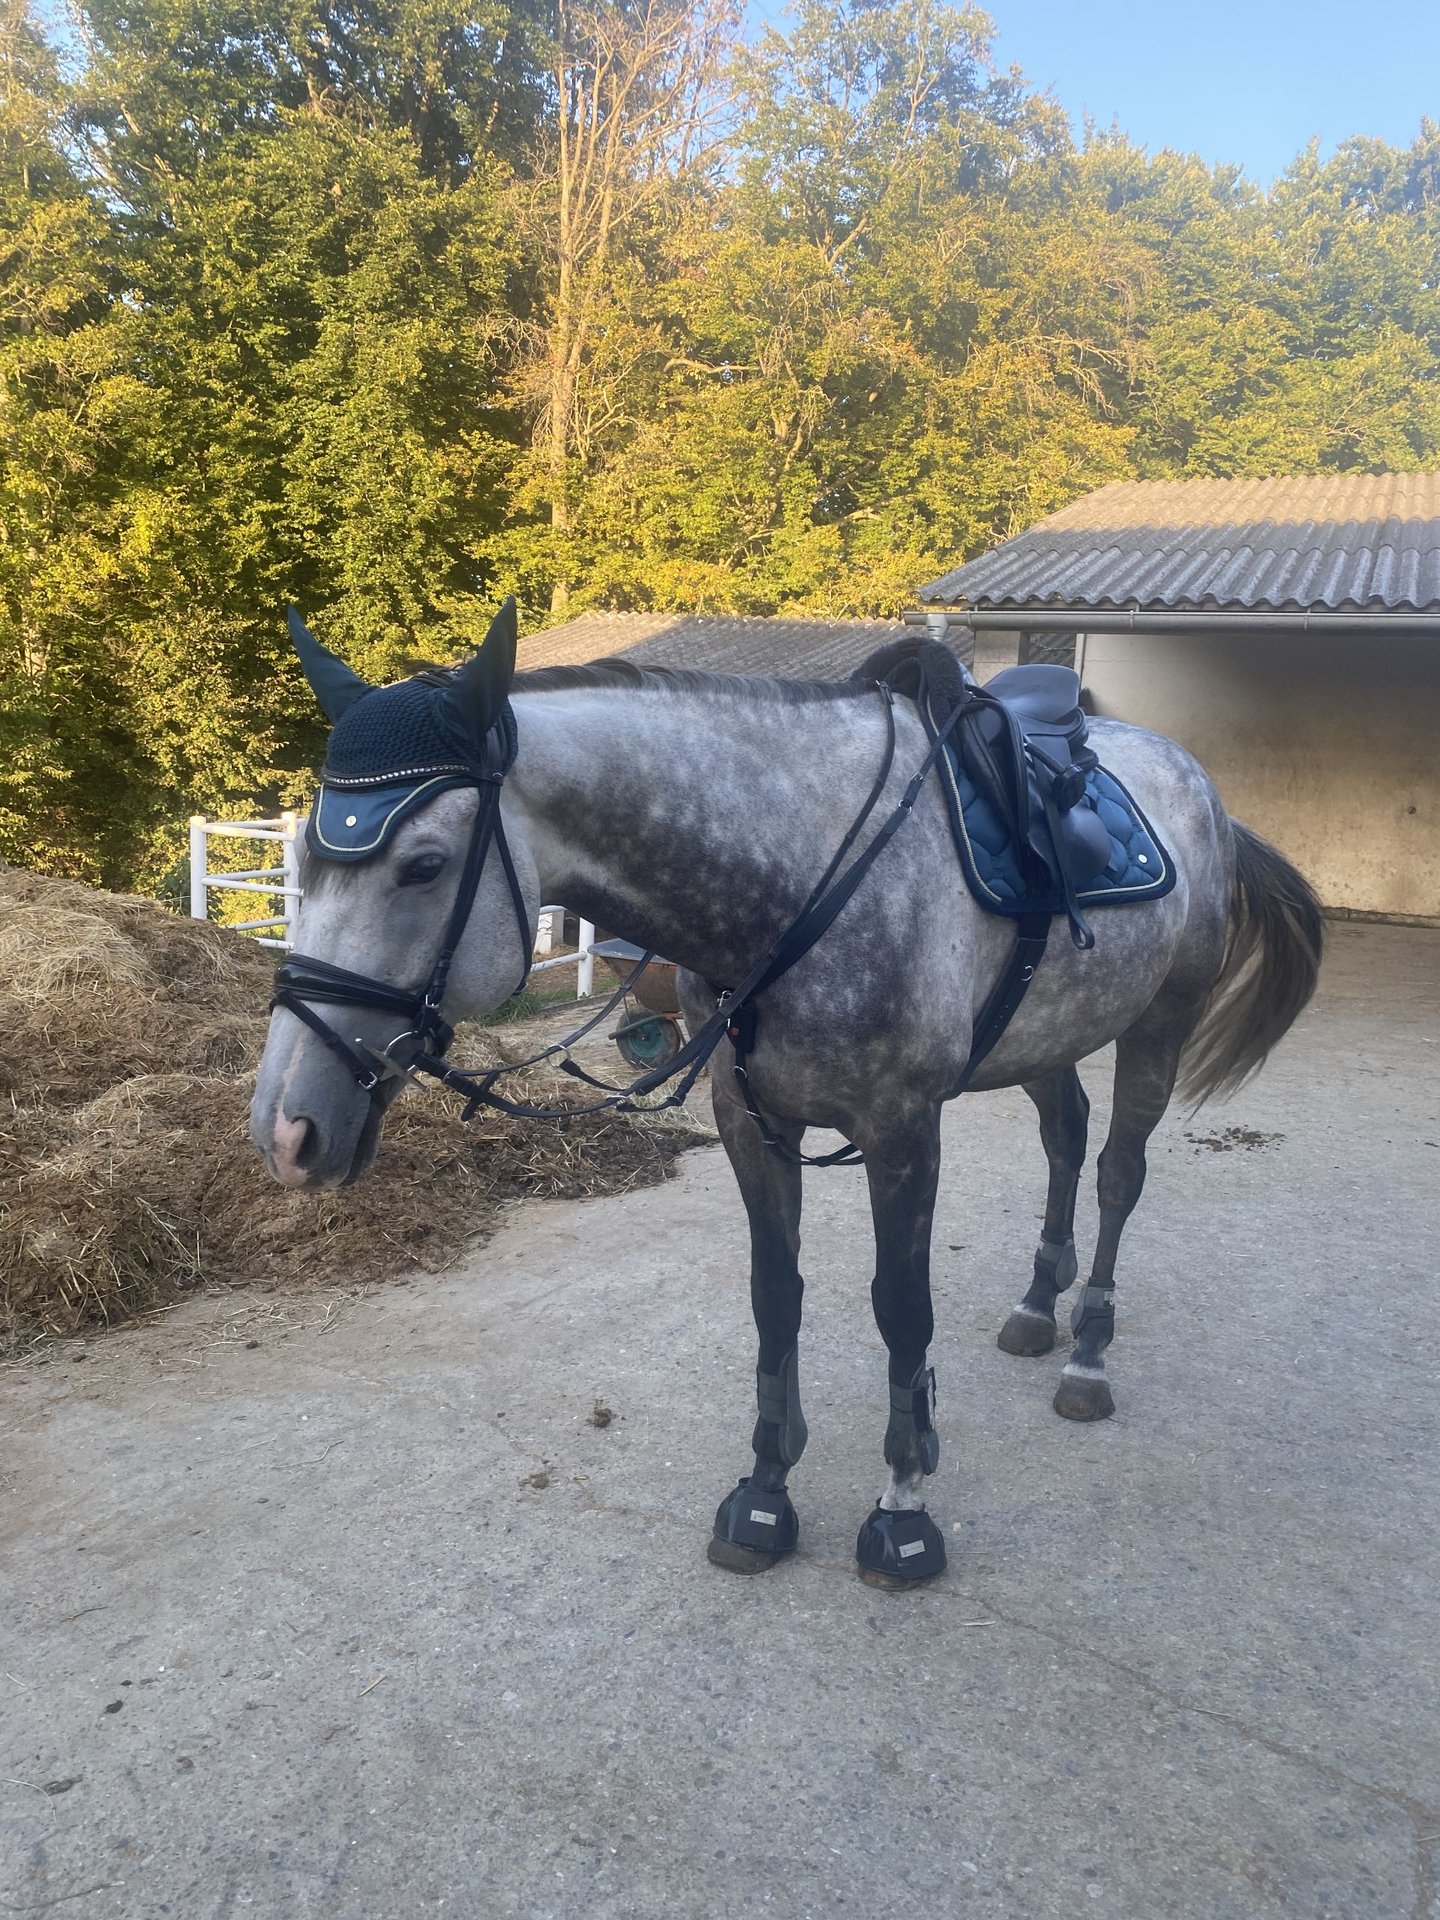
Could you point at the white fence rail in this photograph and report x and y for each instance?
(279, 886)
(550, 934)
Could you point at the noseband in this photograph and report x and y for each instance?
(303, 982)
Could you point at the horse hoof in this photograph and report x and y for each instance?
(892, 1582)
(1084, 1397)
(754, 1527)
(738, 1559)
(898, 1550)
(1027, 1334)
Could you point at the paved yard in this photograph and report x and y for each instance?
(362, 1616)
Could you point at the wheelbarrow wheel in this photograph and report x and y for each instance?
(648, 1040)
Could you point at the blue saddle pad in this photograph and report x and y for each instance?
(1139, 868)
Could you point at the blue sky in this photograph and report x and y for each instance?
(1248, 83)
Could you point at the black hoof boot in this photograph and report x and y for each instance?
(899, 1549)
(1084, 1397)
(1028, 1333)
(754, 1527)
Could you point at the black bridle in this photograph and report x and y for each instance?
(303, 982)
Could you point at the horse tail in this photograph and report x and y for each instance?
(1271, 964)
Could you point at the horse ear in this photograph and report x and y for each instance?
(482, 685)
(336, 686)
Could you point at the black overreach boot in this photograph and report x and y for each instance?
(754, 1527)
(899, 1549)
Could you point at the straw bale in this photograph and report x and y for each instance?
(126, 1170)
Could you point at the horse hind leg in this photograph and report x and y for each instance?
(1146, 1058)
(1064, 1117)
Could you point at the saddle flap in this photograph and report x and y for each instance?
(1083, 842)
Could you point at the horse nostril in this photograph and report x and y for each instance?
(296, 1147)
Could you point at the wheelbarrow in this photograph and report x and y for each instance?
(651, 1034)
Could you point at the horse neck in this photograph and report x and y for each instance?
(691, 820)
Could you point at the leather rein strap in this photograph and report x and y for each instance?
(301, 980)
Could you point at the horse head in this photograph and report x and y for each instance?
(415, 913)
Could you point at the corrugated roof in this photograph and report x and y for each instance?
(1337, 543)
(718, 643)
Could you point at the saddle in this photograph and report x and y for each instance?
(1021, 760)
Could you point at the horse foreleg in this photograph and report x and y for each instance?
(1146, 1058)
(899, 1543)
(756, 1523)
(1064, 1116)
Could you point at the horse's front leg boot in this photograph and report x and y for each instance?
(1084, 1392)
(912, 1446)
(780, 1431)
(754, 1527)
(1030, 1330)
(898, 1550)
(912, 1450)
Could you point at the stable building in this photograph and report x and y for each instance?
(1286, 631)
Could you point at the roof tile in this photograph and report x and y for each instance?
(1338, 542)
(716, 643)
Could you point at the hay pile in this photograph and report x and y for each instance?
(130, 1038)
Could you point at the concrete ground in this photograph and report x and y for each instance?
(348, 1608)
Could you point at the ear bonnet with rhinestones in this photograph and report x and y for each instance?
(393, 749)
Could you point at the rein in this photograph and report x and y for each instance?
(303, 982)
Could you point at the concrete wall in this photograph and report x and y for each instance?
(1329, 747)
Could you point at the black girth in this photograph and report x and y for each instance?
(303, 982)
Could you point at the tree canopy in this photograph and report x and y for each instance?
(393, 309)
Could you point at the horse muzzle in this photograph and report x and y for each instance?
(314, 1126)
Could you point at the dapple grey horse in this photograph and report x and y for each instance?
(692, 814)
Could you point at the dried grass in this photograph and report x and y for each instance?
(126, 1171)
(97, 986)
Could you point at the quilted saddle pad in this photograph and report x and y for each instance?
(1139, 867)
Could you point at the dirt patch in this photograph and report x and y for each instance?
(1228, 1139)
(126, 1172)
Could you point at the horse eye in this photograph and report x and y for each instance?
(424, 867)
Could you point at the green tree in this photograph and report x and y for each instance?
(876, 352)
(634, 134)
(301, 321)
(65, 394)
